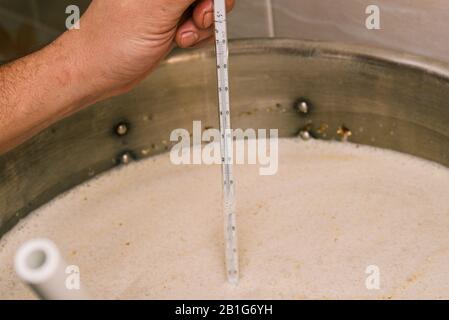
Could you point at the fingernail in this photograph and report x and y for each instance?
(208, 19)
(189, 38)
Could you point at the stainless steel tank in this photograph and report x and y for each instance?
(370, 96)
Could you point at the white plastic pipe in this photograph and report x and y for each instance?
(39, 264)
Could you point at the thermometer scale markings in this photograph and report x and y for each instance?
(221, 43)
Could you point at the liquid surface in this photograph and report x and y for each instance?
(155, 230)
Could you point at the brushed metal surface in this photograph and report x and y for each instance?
(386, 99)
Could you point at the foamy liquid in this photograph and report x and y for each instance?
(155, 230)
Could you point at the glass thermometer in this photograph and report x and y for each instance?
(221, 43)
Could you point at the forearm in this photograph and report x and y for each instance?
(119, 43)
(41, 89)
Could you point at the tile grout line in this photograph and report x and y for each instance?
(35, 9)
(270, 17)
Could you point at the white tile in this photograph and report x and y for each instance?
(249, 19)
(415, 26)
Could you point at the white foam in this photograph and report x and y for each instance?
(154, 230)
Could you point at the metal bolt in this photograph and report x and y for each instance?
(126, 158)
(305, 135)
(121, 129)
(303, 107)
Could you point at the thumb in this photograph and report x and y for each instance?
(180, 6)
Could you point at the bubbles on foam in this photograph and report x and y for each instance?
(162, 215)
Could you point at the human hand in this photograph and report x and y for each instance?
(118, 44)
(121, 41)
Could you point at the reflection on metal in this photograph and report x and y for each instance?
(305, 135)
(390, 100)
(121, 129)
(126, 158)
(303, 107)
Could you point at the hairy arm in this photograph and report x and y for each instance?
(119, 43)
(42, 88)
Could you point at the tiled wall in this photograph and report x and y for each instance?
(27, 25)
(416, 26)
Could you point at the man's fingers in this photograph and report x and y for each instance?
(230, 5)
(200, 26)
(203, 14)
(205, 42)
(190, 35)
